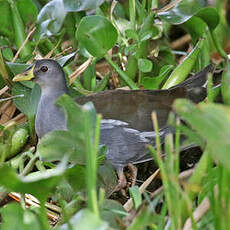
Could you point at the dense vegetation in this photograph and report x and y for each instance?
(148, 44)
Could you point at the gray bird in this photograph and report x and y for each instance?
(126, 127)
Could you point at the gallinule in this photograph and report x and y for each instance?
(126, 127)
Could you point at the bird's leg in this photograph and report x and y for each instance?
(122, 182)
(133, 170)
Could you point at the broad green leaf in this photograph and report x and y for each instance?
(7, 53)
(96, 34)
(212, 122)
(154, 82)
(186, 9)
(182, 12)
(111, 211)
(80, 5)
(28, 103)
(17, 68)
(136, 196)
(144, 65)
(85, 220)
(32, 184)
(76, 177)
(51, 18)
(132, 34)
(55, 144)
(15, 217)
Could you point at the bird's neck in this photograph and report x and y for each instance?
(53, 93)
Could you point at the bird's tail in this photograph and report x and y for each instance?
(196, 85)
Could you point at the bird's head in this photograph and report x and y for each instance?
(45, 72)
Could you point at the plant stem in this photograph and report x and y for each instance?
(3, 71)
(132, 13)
(91, 165)
(124, 76)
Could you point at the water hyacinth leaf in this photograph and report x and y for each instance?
(28, 103)
(80, 5)
(17, 68)
(85, 220)
(182, 12)
(15, 217)
(52, 146)
(27, 10)
(212, 122)
(111, 212)
(144, 65)
(154, 82)
(186, 9)
(96, 34)
(51, 18)
(76, 176)
(32, 184)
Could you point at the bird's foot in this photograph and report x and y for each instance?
(122, 181)
(133, 169)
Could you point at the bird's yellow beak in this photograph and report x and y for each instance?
(25, 76)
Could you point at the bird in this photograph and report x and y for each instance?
(126, 127)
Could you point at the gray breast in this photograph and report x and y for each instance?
(49, 116)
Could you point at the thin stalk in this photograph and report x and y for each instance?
(123, 75)
(132, 13)
(218, 45)
(91, 166)
(3, 71)
(43, 215)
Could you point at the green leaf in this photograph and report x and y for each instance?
(76, 177)
(6, 52)
(97, 35)
(80, 5)
(186, 9)
(136, 196)
(17, 68)
(212, 122)
(28, 103)
(51, 18)
(52, 146)
(6, 22)
(132, 34)
(85, 220)
(181, 12)
(32, 184)
(144, 65)
(225, 86)
(182, 70)
(27, 10)
(15, 217)
(154, 82)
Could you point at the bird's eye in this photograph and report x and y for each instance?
(44, 68)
